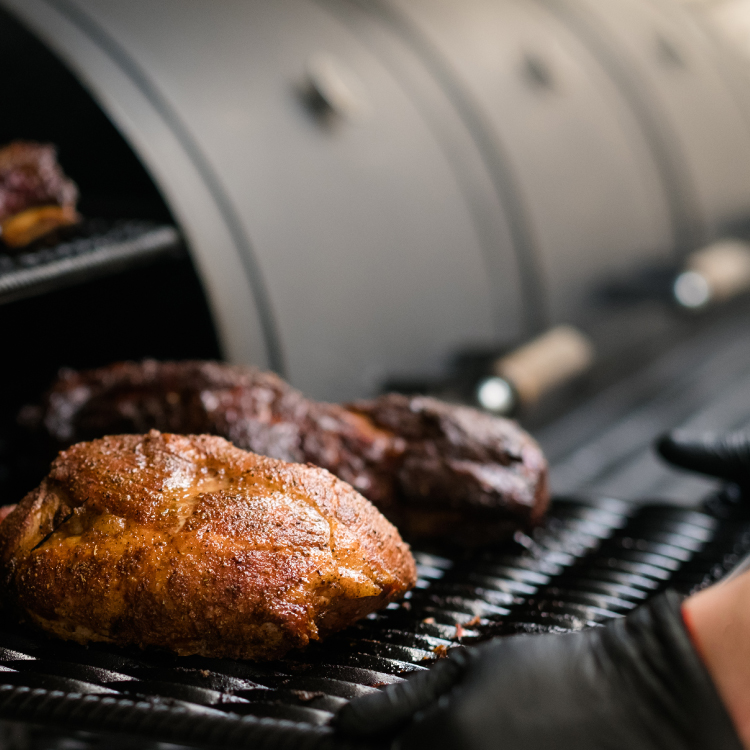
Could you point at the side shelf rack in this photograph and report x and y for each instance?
(99, 248)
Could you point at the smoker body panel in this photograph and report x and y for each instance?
(675, 71)
(594, 200)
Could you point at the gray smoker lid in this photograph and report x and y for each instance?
(340, 253)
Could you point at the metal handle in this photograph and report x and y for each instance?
(534, 369)
(715, 273)
(335, 89)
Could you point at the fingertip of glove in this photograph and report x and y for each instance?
(725, 456)
(672, 446)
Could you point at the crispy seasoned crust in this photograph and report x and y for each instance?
(436, 469)
(189, 543)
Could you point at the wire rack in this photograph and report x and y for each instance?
(588, 563)
(97, 248)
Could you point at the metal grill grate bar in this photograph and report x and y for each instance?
(585, 565)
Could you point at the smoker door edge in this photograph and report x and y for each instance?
(243, 326)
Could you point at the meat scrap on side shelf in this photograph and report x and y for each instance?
(36, 198)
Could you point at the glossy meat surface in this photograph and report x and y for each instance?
(466, 474)
(253, 409)
(30, 177)
(189, 543)
(436, 469)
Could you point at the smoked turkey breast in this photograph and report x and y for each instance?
(192, 544)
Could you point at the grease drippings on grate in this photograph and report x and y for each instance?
(587, 564)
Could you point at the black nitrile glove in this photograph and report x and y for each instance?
(724, 456)
(635, 684)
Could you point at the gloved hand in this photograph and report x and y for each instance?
(724, 456)
(635, 684)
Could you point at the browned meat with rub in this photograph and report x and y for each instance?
(35, 196)
(255, 410)
(189, 543)
(463, 474)
(436, 469)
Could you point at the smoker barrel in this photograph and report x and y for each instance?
(362, 192)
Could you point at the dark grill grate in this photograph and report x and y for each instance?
(587, 564)
(97, 248)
